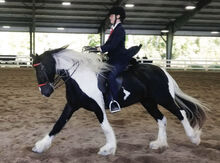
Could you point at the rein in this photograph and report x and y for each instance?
(64, 73)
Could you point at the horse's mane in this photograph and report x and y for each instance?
(65, 58)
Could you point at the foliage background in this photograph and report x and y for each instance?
(17, 43)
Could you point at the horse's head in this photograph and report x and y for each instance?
(44, 65)
(45, 72)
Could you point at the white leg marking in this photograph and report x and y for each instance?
(127, 93)
(110, 146)
(193, 134)
(162, 135)
(43, 144)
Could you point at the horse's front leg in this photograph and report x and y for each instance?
(45, 143)
(97, 106)
(110, 146)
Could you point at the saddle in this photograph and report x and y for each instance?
(104, 88)
(103, 84)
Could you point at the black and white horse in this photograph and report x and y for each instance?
(144, 83)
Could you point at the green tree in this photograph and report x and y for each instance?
(94, 40)
(156, 44)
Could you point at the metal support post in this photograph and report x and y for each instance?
(102, 36)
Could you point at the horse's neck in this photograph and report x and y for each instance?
(87, 81)
(81, 72)
(62, 64)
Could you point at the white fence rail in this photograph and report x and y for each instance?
(206, 65)
(15, 61)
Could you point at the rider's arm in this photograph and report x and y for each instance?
(113, 43)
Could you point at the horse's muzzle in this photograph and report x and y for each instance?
(46, 90)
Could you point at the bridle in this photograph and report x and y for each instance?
(61, 74)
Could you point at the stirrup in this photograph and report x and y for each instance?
(118, 106)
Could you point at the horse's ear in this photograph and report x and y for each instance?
(34, 56)
(65, 46)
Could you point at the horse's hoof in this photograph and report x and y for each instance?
(195, 139)
(42, 145)
(37, 149)
(194, 136)
(158, 145)
(105, 150)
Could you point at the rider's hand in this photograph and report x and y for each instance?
(99, 49)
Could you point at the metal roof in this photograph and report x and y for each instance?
(84, 16)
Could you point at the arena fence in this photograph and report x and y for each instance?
(15, 61)
(204, 65)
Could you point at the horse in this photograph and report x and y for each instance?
(145, 83)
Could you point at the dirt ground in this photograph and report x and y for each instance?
(26, 116)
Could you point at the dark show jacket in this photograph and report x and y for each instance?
(115, 46)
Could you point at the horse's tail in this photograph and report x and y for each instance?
(195, 110)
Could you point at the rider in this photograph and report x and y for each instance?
(118, 55)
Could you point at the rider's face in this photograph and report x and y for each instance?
(112, 18)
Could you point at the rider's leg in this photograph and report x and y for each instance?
(113, 86)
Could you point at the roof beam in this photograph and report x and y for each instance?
(106, 22)
(182, 20)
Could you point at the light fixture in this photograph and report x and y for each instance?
(214, 32)
(60, 28)
(190, 7)
(6, 27)
(129, 5)
(164, 31)
(66, 3)
(2, 1)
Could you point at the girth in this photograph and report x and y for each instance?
(103, 83)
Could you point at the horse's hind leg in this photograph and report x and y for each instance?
(45, 143)
(193, 134)
(161, 140)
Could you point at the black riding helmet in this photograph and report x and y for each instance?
(118, 10)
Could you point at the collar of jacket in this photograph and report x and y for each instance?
(113, 27)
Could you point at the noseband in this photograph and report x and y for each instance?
(61, 74)
(42, 68)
